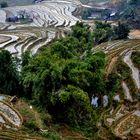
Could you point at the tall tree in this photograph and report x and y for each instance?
(121, 31)
(9, 80)
(60, 81)
(102, 32)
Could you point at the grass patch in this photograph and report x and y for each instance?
(136, 59)
(51, 135)
(125, 73)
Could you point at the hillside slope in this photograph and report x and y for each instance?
(51, 20)
(123, 117)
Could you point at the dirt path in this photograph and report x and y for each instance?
(126, 92)
(135, 71)
(111, 65)
(134, 34)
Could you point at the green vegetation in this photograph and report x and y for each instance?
(125, 73)
(134, 2)
(121, 31)
(136, 58)
(64, 76)
(52, 135)
(104, 32)
(62, 79)
(3, 4)
(9, 77)
(16, 2)
(56, 85)
(113, 82)
(130, 13)
(99, 13)
(97, 1)
(126, 11)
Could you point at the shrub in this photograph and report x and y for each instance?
(30, 124)
(3, 4)
(51, 135)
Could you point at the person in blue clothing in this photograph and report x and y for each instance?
(94, 101)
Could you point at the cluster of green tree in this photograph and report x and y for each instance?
(134, 2)
(131, 13)
(86, 13)
(127, 11)
(3, 4)
(62, 78)
(102, 13)
(104, 31)
(9, 76)
(136, 59)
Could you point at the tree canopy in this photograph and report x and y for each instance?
(9, 78)
(63, 77)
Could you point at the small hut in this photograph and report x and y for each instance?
(12, 19)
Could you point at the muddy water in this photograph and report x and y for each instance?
(1, 97)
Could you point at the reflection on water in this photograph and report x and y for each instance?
(1, 97)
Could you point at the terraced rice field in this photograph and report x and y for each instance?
(17, 135)
(21, 40)
(47, 16)
(124, 119)
(11, 122)
(50, 20)
(47, 13)
(9, 117)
